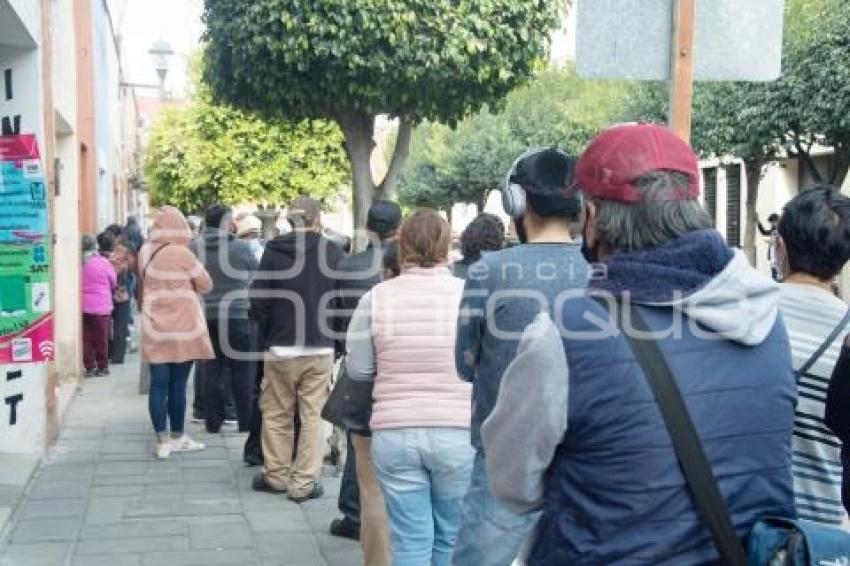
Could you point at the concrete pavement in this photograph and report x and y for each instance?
(101, 498)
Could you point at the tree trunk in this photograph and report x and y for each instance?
(386, 190)
(840, 165)
(807, 162)
(754, 170)
(359, 131)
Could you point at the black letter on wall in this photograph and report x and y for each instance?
(13, 404)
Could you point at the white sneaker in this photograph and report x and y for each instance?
(230, 423)
(186, 444)
(163, 450)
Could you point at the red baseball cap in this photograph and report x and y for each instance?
(623, 153)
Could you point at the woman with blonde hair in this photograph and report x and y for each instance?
(174, 331)
(402, 337)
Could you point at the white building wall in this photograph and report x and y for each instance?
(66, 260)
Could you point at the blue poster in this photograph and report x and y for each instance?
(23, 195)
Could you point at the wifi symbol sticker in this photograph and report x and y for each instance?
(46, 349)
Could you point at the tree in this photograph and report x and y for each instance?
(206, 153)
(816, 85)
(557, 108)
(351, 61)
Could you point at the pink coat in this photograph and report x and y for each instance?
(174, 328)
(414, 321)
(99, 282)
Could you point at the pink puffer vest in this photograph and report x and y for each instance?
(414, 323)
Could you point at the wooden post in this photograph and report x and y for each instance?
(682, 68)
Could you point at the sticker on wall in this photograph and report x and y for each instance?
(26, 318)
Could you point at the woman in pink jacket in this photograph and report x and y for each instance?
(99, 281)
(402, 336)
(174, 330)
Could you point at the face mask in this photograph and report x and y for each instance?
(590, 255)
(521, 232)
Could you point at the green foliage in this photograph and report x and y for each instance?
(435, 59)
(206, 153)
(557, 108)
(351, 61)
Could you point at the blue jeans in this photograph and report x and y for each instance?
(167, 397)
(490, 533)
(424, 474)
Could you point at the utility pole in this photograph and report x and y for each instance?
(682, 68)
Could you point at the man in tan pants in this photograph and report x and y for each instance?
(293, 283)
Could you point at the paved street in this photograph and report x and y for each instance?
(100, 498)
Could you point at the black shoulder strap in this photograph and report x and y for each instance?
(150, 260)
(686, 441)
(823, 347)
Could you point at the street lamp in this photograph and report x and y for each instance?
(161, 53)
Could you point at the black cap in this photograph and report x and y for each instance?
(546, 172)
(384, 217)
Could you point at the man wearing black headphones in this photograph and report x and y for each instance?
(504, 292)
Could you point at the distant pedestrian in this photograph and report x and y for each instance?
(402, 337)
(291, 289)
(486, 233)
(812, 247)
(771, 233)
(231, 264)
(120, 258)
(99, 282)
(249, 228)
(174, 332)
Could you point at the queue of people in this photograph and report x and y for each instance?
(496, 408)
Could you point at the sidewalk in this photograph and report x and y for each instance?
(100, 498)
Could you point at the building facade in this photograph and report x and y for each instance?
(61, 81)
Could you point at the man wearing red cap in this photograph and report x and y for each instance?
(576, 431)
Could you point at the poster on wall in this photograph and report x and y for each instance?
(26, 317)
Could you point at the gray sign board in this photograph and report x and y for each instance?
(736, 40)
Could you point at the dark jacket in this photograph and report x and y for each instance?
(614, 491)
(293, 290)
(231, 264)
(356, 275)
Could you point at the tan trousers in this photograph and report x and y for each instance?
(374, 524)
(301, 381)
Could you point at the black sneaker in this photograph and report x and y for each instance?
(101, 372)
(259, 483)
(91, 373)
(345, 528)
(252, 460)
(317, 492)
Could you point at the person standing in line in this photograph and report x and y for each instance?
(120, 260)
(402, 337)
(290, 292)
(812, 247)
(504, 292)
(231, 264)
(249, 228)
(486, 233)
(99, 282)
(577, 432)
(174, 332)
(356, 275)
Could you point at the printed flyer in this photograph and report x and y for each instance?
(26, 317)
